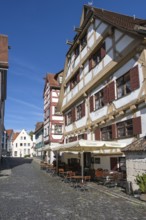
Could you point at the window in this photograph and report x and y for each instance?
(123, 85)
(125, 128)
(16, 144)
(15, 153)
(69, 118)
(75, 80)
(21, 144)
(97, 160)
(106, 133)
(99, 100)
(83, 41)
(80, 136)
(24, 138)
(24, 144)
(58, 129)
(29, 144)
(97, 56)
(76, 51)
(79, 112)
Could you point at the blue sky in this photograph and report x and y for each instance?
(37, 32)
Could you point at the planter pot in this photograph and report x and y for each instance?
(143, 197)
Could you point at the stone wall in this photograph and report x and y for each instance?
(135, 164)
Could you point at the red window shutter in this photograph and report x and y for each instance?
(114, 131)
(85, 136)
(105, 95)
(90, 64)
(111, 91)
(91, 104)
(103, 51)
(83, 109)
(73, 115)
(137, 126)
(134, 78)
(97, 134)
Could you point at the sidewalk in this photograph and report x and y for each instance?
(116, 192)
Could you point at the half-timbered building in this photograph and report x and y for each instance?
(103, 95)
(53, 120)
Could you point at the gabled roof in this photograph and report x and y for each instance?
(9, 132)
(38, 126)
(50, 78)
(138, 145)
(124, 22)
(119, 20)
(52, 81)
(15, 135)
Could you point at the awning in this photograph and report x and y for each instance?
(88, 146)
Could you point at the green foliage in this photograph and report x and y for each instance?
(141, 182)
(28, 155)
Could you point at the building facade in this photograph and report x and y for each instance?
(3, 82)
(53, 120)
(9, 133)
(103, 95)
(22, 145)
(39, 137)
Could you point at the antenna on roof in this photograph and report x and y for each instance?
(90, 3)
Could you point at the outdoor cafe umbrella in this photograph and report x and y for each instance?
(88, 146)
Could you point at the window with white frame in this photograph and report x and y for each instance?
(69, 118)
(123, 85)
(58, 129)
(125, 128)
(106, 133)
(99, 100)
(79, 112)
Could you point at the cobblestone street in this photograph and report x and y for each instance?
(29, 193)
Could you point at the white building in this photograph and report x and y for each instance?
(22, 145)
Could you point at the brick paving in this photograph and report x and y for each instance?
(29, 193)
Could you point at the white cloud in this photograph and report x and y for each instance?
(25, 103)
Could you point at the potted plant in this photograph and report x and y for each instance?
(141, 182)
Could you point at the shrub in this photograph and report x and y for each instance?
(141, 182)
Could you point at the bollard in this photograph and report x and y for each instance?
(129, 190)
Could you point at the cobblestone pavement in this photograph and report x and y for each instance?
(30, 193)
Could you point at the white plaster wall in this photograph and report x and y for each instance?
(88, 77)
(118, 34)
(57, 118)
(81, 85)
(86, 67)
(91, 41)
(90, 31)
(97, 69)
(83, 52)
(69, 128)
(100, 30)
(77, 60)
(81, 122)
(123, 43)
(98, 113)
(54, 99)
